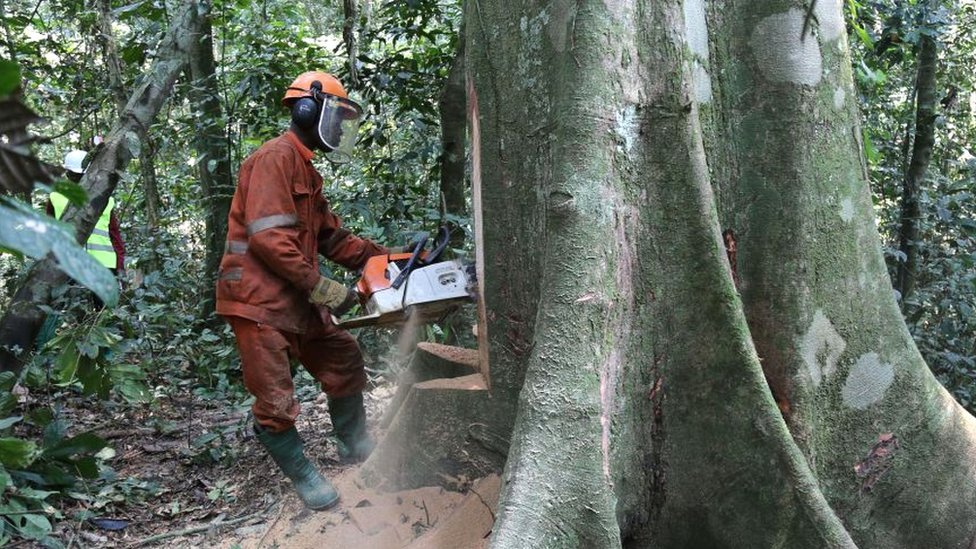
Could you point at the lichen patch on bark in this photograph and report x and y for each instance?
(696, 27)
(702, 82)
(696, 33)
(847, 210)
(627, 127)
(867, 382)
(529, 62)
(830, 19)
(839, 98)
(781, 54)
(821, 347)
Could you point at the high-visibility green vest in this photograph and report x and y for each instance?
(99, 244)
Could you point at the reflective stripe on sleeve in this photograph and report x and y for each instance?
(237, 247)
(231, 274)
(99, 248)
(100, 232)
(270, 222)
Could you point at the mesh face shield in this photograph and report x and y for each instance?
(338, 127)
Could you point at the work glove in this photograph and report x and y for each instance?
(409, 248)
(338, 298)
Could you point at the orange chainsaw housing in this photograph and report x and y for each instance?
(376, 276)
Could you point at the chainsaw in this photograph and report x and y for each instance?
(415, 286)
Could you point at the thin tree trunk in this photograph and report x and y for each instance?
(453, 113)
(926, 99)
(24, 316)
(351, 12)
(110, 54)
(150, 189)
(213, 154)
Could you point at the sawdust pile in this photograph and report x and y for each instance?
(424, 518)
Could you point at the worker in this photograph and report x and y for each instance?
(105, 243)
(271, 292)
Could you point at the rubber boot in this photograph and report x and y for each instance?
(349, 427)
(287, 450)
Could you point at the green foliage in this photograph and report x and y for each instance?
(22, 230)
(9, 77)
(19, 169)
(86, 359)
(36, 475)
(885, 37)
(152, 343)
(942, 310)
(27, 232)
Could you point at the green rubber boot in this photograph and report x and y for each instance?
(287, 450)
(349, 427)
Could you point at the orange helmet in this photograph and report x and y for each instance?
(302, 86)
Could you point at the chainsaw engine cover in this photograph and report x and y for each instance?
(428, 293)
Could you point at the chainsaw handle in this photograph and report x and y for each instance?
(440, 244)
(414, 258)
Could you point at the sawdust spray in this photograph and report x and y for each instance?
(407, 341)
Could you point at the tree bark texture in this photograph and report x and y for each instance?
(24, 316)
(677, 387)
(350, 9)
(153, 202)
(213, 153)
(453, 114)
(925, 104)
(110, 54)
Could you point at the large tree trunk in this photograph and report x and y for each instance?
(667, 400)
(213, 154)
(925, 101)
(24, 317)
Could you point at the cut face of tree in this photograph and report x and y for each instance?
(669, 401)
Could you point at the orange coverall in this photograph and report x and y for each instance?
(279, 222)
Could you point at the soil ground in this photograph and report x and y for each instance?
(192, 475)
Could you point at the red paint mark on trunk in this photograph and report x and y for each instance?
(731, 247)
(878, 461)
(656, 389)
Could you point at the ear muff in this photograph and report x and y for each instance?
(305, 113)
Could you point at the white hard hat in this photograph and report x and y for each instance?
(73, 160)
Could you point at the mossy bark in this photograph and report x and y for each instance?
(665, 400)
(892, 452)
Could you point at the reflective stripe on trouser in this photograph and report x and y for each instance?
(331, 355)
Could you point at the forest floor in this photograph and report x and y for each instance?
(189, 473)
